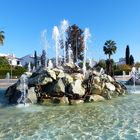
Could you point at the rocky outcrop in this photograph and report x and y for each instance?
(47, 86)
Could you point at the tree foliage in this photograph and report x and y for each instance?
(75, 40)
(35, 60)
(4, 63)
(127, 55)
(43, 58)
(131, 60)
(109, 48)
(2, 37)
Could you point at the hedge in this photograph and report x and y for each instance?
(15, 72)
(120, 72)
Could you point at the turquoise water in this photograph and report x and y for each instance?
(116, 119)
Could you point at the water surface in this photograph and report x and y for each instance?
(116, 119)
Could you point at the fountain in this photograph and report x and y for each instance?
(124, 74)
(86, 36)
(29, 67)
(23, 89)
(102, 71)
(64, 26)
(134, 76)
(56, 37)
(8, 77)
(50, 64)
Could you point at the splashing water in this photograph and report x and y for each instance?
(64, 26)
(29, 67)
(56, 37)
(23, 88)
(134, 76)
(50, 64)
(86, 37)
(44, 39)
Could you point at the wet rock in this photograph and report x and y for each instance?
(76, 88)
(110, 86)
(96, 89)
(75, 102)
(110, 79)
(32, 95)
(59, 86)
(51, 73)
(78, 76)
(96, 98)
(46, 81)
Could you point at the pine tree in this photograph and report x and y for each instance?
(75, 40)
(127, 55)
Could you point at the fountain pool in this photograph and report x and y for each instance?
(116, 119)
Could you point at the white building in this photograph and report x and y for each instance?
(12, 59)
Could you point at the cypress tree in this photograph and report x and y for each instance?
(127, 55)
(43, 58)
(35, 59)
(131, 60)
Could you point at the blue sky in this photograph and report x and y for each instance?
(23, 21)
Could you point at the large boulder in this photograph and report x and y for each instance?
(96, 89)
(51, 73)
(31, 96)
(77, 88)
(46, 81)
(59, 87)
(78, 76)
(67, 79)
(96, 98)
(110, 86)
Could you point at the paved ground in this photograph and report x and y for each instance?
(4, 83)
(122, 78)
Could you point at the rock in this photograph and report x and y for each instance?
(47, 101)
(29, 74)
(110, 79)
(96, 98)
(107, 94)
(75, 102)
(51, 73)
(57, 71)
(46, 81)
(76, 88)
(110, 86)
(96, 73)
(61, 74)
(61, 100)
(70, 65)
(32, 95)
(59, 87)
(97, 80)
(96, 89)
(78, 76)
(67, 79)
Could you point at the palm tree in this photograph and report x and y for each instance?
(2, 37)
(109, 48)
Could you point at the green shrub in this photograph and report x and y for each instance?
(16, 72)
